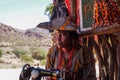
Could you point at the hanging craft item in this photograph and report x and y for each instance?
(73, 8)
(106, 13)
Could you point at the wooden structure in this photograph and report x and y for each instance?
(106, 48)
(103, 40)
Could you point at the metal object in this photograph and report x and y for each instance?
(36, 73)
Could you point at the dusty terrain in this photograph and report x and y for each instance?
(10, 60)
(11, 38)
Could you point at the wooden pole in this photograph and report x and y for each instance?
(100, 31)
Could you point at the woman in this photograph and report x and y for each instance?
(72, 59)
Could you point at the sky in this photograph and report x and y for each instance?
(23, 14)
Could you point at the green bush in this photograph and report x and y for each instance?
(19, 52)
(38, 53)
(8, 52)
(1, 53)
(26, 58)
(42, 62)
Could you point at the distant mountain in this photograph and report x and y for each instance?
(38, 33)
(34, 36)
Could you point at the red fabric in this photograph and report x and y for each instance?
(69, 60)
(78, 14)
(67, 2)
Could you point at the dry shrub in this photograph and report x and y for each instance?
(1, 52)
(38, 53)
(19, 52)
(26, 58)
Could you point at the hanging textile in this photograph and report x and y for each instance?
(106, 13)
(67, 2)
(73, 8)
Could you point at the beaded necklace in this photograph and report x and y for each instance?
(61, 62)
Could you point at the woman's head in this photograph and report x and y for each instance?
(67, 38)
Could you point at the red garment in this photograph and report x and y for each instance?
(67, 2)
(69, 60)
(77, 11)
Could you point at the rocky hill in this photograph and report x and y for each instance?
(34, 36)
(33, 43)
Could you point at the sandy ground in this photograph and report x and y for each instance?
(10, 67)
(10, 74)
(10, 61)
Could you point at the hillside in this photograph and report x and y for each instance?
(35, 36)
(33, 43)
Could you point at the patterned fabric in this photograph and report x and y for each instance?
(81, 65)
(106, 13)
(51, 57)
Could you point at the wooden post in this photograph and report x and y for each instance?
(100, 31)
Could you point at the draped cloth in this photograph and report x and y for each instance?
(80, 66)
(76, 9)
(106, 13)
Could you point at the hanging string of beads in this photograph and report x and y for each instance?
(106, 13)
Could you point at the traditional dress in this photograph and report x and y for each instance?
(80, 65)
